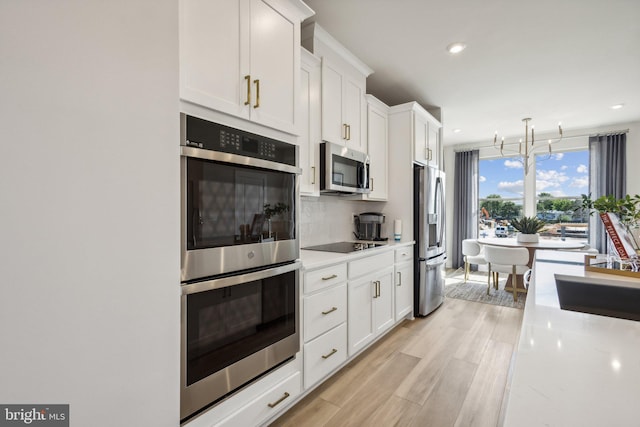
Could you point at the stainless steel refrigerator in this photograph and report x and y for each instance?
(429, 234)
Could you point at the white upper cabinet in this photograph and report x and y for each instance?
(377, 147)
(413, 122)
(344, 80)
(242, 57)
(426, 138)
(309, 122)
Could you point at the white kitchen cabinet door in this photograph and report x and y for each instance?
(333, 127)
(214, 40)
(383, 303)
(420, 139)
(433, 142)
(274, 62)
(360, 313)
(309, 124)
(354, 111)
(377, 146)
(403, 290)
(241, 57)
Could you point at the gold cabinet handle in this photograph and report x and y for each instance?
(248, 79)
(333, 276)
(333, 351)
(330, 311)
(257, 82)
(344, 131)
(349, 132)
(371, 179)
(377, 289)
(399, 278)
(313, 175)
(277, 402)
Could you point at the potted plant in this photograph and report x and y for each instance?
(528, 228)
(626, 211)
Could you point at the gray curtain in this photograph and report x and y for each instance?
(608, 176)
(465, 202)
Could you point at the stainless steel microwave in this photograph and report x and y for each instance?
(342, 170)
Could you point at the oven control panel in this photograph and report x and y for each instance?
(213, 136)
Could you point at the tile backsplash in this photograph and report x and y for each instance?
(328, 219)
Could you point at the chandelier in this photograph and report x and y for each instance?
(527, 150)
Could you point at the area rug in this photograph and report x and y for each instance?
(475, 289)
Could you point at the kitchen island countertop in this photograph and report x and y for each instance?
(571, 368)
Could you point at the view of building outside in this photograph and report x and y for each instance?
(560, 182)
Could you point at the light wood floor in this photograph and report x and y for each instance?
(448, 369)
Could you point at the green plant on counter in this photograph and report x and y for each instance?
(528, 225)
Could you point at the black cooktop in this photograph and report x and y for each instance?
(344, 247)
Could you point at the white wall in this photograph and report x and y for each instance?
(89, 217)
(633, 153)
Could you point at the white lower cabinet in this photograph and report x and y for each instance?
(403, 282)
(324, 354)
(267, 404)
(371, 297)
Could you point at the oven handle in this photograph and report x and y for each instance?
(225, 282)
(198, 153)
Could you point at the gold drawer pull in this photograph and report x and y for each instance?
(334, 351)
(333, 276)
(248, 79)
(330, 311)
(399, 278)
(277, 402)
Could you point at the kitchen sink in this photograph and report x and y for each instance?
(613, 298)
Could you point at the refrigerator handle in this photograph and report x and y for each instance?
(439, 202)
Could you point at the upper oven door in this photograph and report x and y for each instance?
(237, 213)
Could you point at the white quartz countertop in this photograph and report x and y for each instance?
(317, 259)
(572, 369)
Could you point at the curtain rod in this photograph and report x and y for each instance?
(613, 132)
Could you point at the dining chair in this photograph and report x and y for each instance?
(473, 253)
(509, 260)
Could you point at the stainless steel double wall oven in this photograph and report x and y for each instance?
(240, 268)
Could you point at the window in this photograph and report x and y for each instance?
(559, 182)
(501, 195)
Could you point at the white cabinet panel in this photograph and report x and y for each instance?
(324, 354)
(324, 310)
(309, 122)
(403, 289)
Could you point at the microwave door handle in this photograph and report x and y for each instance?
(365, 181)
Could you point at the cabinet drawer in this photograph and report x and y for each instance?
(324, 310)
(404, 254)
(267, 404)
(318, 279)
(324, 354)
(371, 263)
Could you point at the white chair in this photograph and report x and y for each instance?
(473, 254)
(507, 260)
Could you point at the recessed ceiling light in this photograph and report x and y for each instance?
(455, 48)
(457, 130)
(617, 106)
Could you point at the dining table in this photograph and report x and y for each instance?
(548, 244)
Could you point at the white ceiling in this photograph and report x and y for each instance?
(555, 61)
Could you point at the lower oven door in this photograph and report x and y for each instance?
(235, 329)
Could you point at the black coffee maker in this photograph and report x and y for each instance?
(369, 226)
